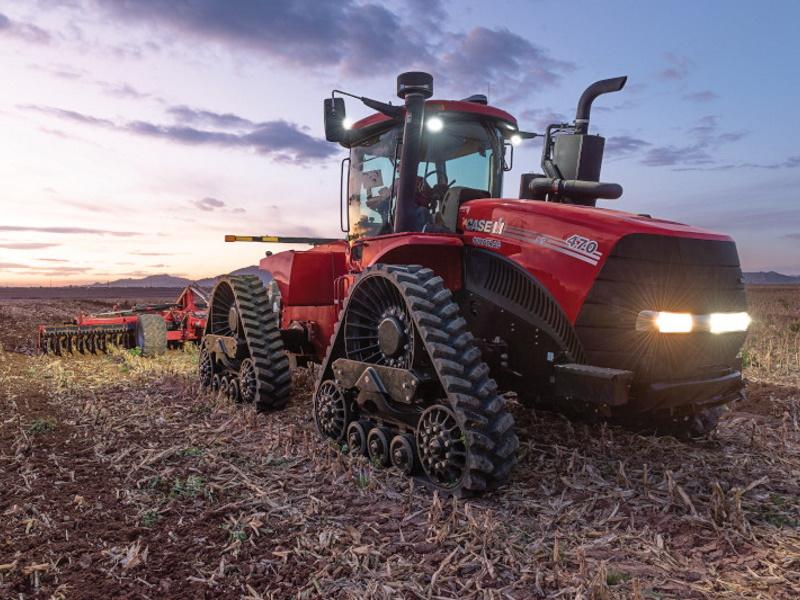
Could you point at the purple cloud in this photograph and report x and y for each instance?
(704, 96)
(26, 32)
(208, 204)
(26, 245)
(68, 230)
(677, 67)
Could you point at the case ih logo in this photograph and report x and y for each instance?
(485, 225)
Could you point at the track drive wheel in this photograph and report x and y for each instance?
(401, 324)
(239, 312)
(151, 335)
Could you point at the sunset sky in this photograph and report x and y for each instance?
(136, 133)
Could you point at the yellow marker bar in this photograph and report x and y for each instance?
(274, 239)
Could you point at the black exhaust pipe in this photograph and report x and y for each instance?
(574, 188)
(605, 86)
(414, 88)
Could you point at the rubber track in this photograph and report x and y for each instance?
(264, 342)
(472, 394)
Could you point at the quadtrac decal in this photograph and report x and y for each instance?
(575, 246)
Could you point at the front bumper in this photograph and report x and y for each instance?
(613, 387)
(696, 392)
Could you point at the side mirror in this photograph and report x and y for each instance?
(508, 156)
(335, 115)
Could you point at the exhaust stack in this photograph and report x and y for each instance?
(572, 159)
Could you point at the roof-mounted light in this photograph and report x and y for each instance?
(434, 124)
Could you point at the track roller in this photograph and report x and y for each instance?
(233, 391)
(357, 437)
(403, 453)
(378, 446)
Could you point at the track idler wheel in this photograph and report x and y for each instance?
(357, 437)
(205, 368)
(216, 383)
(378, 446)
(442, 446)
(403, 453)
(331, 413)
(248, 381)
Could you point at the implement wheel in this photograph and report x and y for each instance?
(151, 335)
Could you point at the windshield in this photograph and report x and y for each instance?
(460, 161)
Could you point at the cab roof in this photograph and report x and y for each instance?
(462, 106)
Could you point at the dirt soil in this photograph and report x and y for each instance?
(119, 478)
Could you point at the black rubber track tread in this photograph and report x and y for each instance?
(264, 342)
(154, 334)
(472, 394)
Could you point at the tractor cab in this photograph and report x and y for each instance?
(461, 158)
(457, 152)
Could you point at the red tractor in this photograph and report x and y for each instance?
(151, 327)
(445, 296)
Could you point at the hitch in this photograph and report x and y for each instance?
(276, 239)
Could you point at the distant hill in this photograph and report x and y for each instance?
(170, 281)
(770, 278)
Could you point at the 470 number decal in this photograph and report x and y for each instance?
(582, 244)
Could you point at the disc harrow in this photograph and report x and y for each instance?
(85, 339)
(151, 327)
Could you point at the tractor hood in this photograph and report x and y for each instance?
(565, 246)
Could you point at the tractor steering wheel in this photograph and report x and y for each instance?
(438, 190)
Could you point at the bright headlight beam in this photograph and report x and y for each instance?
(728, 322)
(669, 322)
(347, 123)
(674, 322)
(434, 124)
(516, 139)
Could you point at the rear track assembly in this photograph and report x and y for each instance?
(243, 354)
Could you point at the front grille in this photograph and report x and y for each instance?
(648, 272)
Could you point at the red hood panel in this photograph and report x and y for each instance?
(563, 246)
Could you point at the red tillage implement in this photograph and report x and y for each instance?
(151, 327)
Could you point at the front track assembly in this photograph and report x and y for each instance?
(242, 353)
(404, 384)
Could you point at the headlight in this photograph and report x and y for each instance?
(727, 322)
(673, 322)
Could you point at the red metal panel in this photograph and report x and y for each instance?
(306, 277)
(438, 251)
(536, 235)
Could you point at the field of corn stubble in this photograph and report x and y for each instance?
(119, 478)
